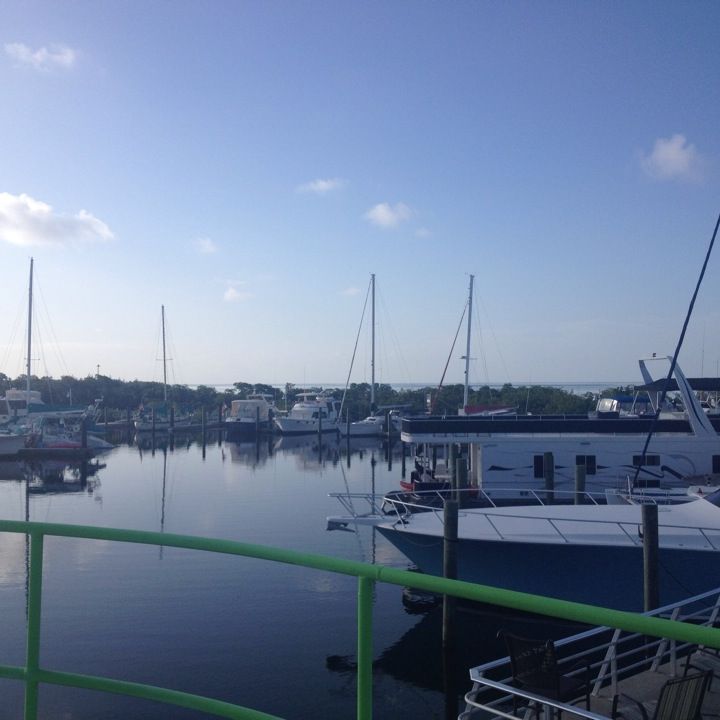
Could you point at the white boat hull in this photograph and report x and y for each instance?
(588, 554)
(298, 426)
(11, 444)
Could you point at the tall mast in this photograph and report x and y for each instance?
(372, 361)
(29, 338)
(467, 350)
(162, 309)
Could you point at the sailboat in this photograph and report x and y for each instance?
(373, 425)
(160, 418)
(19, 408)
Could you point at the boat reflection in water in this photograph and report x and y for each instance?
(58, 476)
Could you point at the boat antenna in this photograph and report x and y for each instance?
(357, 338)
(666, 384)
(452, 349)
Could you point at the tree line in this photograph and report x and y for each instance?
(120, 396)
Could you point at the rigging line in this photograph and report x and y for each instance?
(386, 322)
(452, 349)
(12, 342)
(43, 318)
(494, 336)
(357, 338)
(677, 351)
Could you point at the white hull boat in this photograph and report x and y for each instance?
(510, 450)
(11, 443)
(584, 553)
(253, 413)
(312, 413)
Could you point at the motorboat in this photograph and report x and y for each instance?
(11, 443)
(60, 432)
(313, 412)
(250, 414)
(511, 449)
(371, 426)
(587, 553)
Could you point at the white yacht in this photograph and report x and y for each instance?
(510, 449)
(312, 413)
(254, 412)
(583, 553)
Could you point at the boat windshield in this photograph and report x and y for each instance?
(714, 498)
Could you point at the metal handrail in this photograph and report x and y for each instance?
(700, 610)
(33, 675)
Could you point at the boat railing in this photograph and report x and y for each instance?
(404, 505)
(35, 674)
(611, 654)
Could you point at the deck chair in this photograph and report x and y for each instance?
(535, 669)
(679, 699)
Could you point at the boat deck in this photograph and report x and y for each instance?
(645, 688)
(616, 663)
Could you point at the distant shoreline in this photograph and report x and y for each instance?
(579, 387)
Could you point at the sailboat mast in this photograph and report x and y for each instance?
(162, 309)
(467, 349)
(372, 361)
(29, 338)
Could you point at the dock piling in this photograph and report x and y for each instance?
(650, 556)
(580, 471)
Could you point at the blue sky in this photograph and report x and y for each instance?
(249, 164)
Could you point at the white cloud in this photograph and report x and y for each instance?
(205, 246)
(422, 233)
(25, 221)
(672, 159)
(232, 294)
(388, 216)
(321, 187)
(350, 291)
(56, 56)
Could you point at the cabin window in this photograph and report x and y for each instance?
(716, 463)
(538, 466)
(647, 460)
(589, 462)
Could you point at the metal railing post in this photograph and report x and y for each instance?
(364, 649)
(32, 661)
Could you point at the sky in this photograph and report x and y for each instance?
(249, 164)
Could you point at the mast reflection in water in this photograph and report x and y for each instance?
(276, 638)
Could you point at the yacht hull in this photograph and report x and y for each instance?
(608, 576)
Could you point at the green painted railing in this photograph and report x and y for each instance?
(33, 674)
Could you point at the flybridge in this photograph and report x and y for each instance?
(682, 414)
(509, 449)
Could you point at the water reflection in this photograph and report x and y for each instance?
(211, 624)
(58, 476)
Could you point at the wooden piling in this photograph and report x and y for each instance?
(580, 471)
(651, 552)
(450, 547)
(461, 474)
(549, 474)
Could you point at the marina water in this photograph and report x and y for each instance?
(276, 638)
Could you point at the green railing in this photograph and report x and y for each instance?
(32, 674)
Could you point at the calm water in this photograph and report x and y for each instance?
(276, 638)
